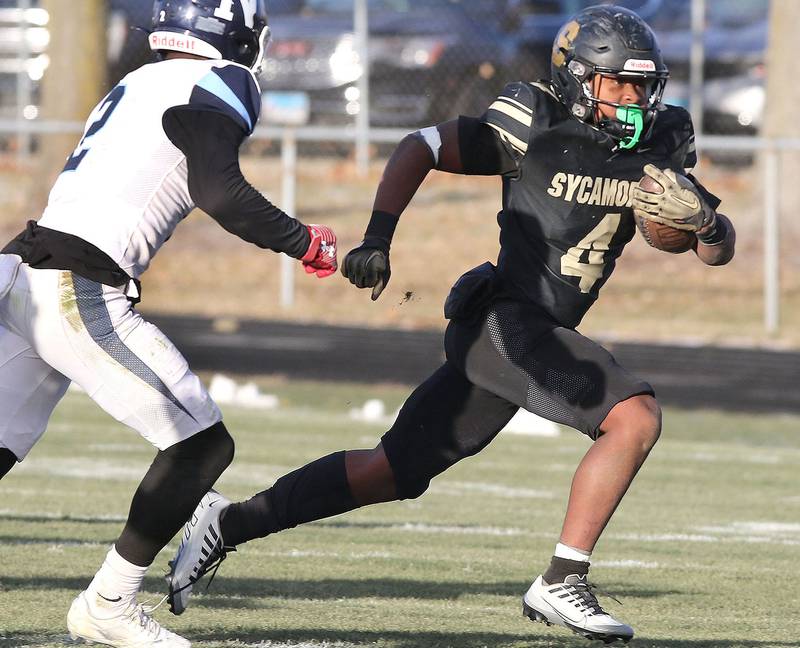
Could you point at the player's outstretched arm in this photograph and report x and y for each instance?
(367, 266)
(210, 141)
(465, 145)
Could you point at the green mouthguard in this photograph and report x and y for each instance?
(631, 114)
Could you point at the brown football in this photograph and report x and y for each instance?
(662, 237)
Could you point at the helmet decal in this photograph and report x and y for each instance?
(564, 41)
(639, 65)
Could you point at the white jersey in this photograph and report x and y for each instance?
(125, 188)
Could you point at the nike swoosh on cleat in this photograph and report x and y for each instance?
(116, 600)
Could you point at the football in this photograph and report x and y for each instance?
(662, 237)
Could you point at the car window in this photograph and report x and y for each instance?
(565, 8)
(284, 6)
(737, 14)
(677, 14)
(401, 6)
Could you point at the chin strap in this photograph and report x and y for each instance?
(633, 116)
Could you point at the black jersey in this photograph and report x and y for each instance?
(566, 213)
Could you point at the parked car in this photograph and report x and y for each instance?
(735, 44)
(734, 40)
(429, 60)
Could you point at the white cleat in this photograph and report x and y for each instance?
(131, 628)
(201, 550)
(573, 605)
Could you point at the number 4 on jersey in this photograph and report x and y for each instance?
(588, 258)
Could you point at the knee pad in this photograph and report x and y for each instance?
(206, 454)
(7, 461)
(412, 488)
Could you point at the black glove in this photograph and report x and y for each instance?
(367, 266)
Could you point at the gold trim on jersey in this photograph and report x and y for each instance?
(517, 111)
(517, 143)
(513, 109)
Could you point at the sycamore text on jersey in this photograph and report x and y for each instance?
(591, 190)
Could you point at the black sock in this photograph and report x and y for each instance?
(7, 461)
(170, 490)
(560, 568)
(317, 490)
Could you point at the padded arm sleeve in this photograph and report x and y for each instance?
(483, 151)
(511, 116)
(210, 141)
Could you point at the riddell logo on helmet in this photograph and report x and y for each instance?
(161, 41)
(639, 65)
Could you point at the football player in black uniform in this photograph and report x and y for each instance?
(570, 153)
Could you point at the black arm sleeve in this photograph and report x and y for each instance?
(210, 141)
(482, 150)
(709, 197)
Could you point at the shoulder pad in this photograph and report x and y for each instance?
(674, 129)
(511, 115)
(232, 90)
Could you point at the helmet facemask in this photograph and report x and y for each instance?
(264, 39)
(251, 48)
(630, 123)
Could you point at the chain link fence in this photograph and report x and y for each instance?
(345, 79)
(426, 60)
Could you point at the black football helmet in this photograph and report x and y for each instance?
(612, 41)
(234, 30)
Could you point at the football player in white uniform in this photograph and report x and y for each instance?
(166, 139)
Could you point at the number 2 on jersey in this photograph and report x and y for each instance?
(106, 108)
(587, 259)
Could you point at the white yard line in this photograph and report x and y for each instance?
(460, 530)
(85, 468)
(66, 517)
(461, 488)
(311, 553)
(302, 644)
(626, 564)
(737, 532)
(754, 458)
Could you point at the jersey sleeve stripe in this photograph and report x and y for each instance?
(522, 116)
(516, 104)
(213, 84)
(519, 145)
(507, 125)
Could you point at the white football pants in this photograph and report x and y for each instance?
(57, 327)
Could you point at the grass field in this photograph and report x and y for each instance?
(702, 553)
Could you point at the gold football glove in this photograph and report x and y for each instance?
(679, 205)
